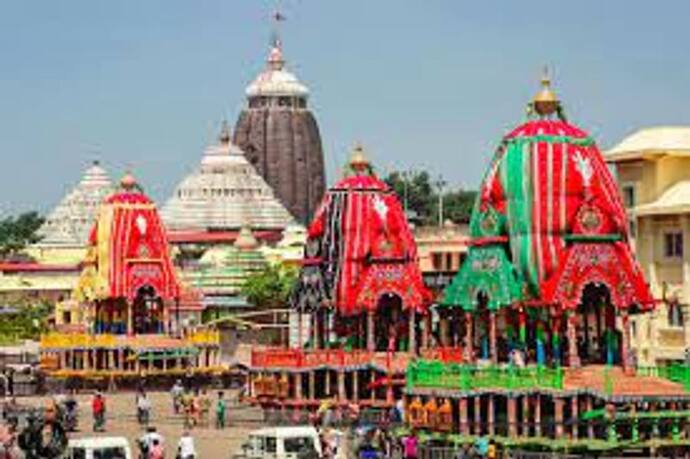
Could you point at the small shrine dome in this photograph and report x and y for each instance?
(275, 80)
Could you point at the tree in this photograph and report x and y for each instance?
(16, 233)
(422, 198)
(271, 287)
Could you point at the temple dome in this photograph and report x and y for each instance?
(224, 193)
(275, 80)
(68, 224)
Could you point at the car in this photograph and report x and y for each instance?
(98, 448)
(281, 443)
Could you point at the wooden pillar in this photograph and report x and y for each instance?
(492, 337)
(299, 329)
(328, 383)
(464, 421)
(590, 425)
(525, 416)
(412, 346)
(371, 345)
(625, 345)
(298, 386)
(512, 416)
(315, 329)
(491, 418)
(443, 329)
(312, 385)
(355, 386)
(130, 319)
(573, 357)
(426, 331)
(537, 415)
(372, 393)
(575, 415)
(469, 340)
(558, 415)
(341, 385)
(477, 414)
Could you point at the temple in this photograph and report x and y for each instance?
(540, 309)
(281, 139)
(362, 307)
(129, 297)
(65, 233)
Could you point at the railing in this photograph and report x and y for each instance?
(297, 358)
(677, 373)
(444, 354)
(429, 374)
(206, 337)
(106, 340)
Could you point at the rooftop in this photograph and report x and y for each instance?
(653, 141)
(675, 200)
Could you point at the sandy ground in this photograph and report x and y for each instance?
(121, 421)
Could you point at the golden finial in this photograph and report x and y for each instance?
(546, 103)
(128, 181)
(358, 160)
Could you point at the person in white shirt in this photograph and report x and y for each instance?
(186, 447)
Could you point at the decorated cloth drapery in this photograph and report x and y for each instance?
(547, 207)
(360, 247)
(128, 249)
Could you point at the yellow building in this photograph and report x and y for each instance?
(441, 251)
(653, 168)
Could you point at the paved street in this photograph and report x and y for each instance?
(121, 413)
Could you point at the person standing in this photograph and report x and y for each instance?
(410, 446)
(185, 447)
(176, 393)
(143, 408)
(98, 410)
(220, 411)
(205, 408)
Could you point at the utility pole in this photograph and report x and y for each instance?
(405, 176)
(440, 186)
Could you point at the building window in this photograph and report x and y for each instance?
(629, 196)
(675, 315)
(437, 261)
(673, 244)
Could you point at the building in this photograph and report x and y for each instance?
(280, 136)
(653, 169)
(441, 250)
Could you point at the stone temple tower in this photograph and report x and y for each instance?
(280, 137)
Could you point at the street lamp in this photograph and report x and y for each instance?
(440, 186)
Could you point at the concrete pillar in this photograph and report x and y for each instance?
(341, 385)
(469, 340)
(573, 357)
(492, 337)
(477, 414)
(491, 418)
(371, 345)
(312, 385)
(328, 383)
(537, 415)
(558, 415)
(512, 416)
(575, 416)
(412, 349)
(464, 420)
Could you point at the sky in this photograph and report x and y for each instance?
(425, 84)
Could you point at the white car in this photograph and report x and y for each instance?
(99, 448)
(281, 443)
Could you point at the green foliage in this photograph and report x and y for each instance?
(422, 198)
(28, 320)
(271, 287)
(16, 233)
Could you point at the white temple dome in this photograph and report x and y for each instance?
(224, 193)
(274, 80)
(69, 223)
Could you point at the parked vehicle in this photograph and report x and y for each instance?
(282, 443)
(99, 448)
